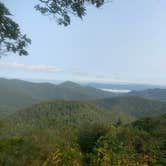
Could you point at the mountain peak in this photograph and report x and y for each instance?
(69, 84)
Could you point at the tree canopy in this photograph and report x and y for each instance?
(63, 9)
(11, 38)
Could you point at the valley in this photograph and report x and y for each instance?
(74, 125)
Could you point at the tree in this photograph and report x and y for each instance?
(11, 38)
(118, 123)
(63, 9)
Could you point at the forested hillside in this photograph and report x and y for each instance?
(89, 127)
(154, 94)
(61, 113)
(17, 94)
(134, 106)
(76, 134)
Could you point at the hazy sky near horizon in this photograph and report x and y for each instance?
(124, 41)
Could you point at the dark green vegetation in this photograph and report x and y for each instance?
(11, 38)
(64, 9)
(66, 133)
(154, 94)
(17, 94)
(90, 131)
(61, 113)
(136, 107)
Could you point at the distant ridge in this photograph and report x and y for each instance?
(128, 86)
(153, 94)
(133, 106)
(69, 84)
(17, 94)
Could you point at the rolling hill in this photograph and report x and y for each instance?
(154, 94)
(136, 107)
(60, 113)
(71, 133)
(17, 94)
(154, 125)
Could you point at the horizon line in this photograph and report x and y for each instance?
(42, 80)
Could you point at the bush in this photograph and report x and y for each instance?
(88, 136)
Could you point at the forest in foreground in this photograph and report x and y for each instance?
(68, 133)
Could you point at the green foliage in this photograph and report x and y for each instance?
(59, 114)
(62, 10)
(135, 107)
(9, 147)
(88, 136)
(153, 94)
(17, 94)
(94, 144)
(11, 39)
(81, 133)
(64, 155)
(157, 130)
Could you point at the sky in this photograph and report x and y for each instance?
(122, 42)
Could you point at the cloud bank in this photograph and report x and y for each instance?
(27, 67)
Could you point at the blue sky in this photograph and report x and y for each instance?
(124, 41)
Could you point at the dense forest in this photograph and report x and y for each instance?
(73, 125)
(79, 133)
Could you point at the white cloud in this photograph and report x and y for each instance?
(27, 67)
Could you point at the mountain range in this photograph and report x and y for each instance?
(69, 124)
(154, 94)
(18, 95)
(60, 113)
(127, 86)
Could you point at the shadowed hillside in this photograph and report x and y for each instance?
(61, 113)
(17, 94)
(154, 94)
(134, 106)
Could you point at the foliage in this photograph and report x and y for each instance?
(11, 39)
(133, 106)
(94, 144)
(17, 94)
(88, 136)
(158, 94)
(62, 10)
(60, 114)
(64, 156)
